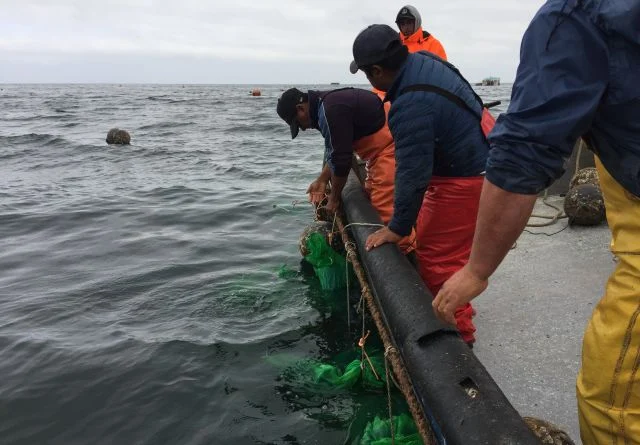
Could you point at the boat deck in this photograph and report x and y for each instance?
(531, 319)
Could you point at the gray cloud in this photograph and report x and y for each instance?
(237, 41)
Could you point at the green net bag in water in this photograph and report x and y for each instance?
(378, 432)
(353, 373)
(313, 376)
(330, 267)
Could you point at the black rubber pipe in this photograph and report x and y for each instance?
(464, 405)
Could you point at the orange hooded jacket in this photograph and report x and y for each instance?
(423, 41)
(419, 41)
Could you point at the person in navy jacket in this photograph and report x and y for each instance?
(579, 76)
(441, 154)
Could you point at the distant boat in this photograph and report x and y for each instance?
(335, 83)
(490, 81)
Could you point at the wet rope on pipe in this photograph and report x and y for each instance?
(403, 379)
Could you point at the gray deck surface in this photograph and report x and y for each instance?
(531, 319)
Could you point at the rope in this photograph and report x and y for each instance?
(403, 378)
(316, 212)
(363, 337)
(296, 202)
(559, 212)
(348, 247)
(552, 218)
(578, 155)
(387, 350)
(277, 206)
(346, 272)
(363, 225)
(365, 356)
(546, 234)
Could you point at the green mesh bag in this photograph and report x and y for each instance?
(330, 267)
(353, 374)
(287, 273)
(317, 377)
(378, 432)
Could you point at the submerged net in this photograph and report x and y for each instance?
(378, 432)
(329, 266)
(354, 373)
(320, 377)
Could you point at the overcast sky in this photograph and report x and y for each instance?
(238, 41)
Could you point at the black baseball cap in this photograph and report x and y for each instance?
(287, 108)
(374, 44)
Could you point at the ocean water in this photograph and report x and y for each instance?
(152, 293)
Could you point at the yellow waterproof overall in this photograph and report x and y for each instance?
(608, 385)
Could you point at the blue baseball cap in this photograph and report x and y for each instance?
(374, 44)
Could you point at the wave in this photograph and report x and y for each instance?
(38, 118)
(254, 127)
(163, 98)
(165, 125)
(33, 138)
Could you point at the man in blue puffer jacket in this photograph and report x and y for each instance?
(441, 154)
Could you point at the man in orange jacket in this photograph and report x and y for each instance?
(413, 36)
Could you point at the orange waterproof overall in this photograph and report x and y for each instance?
(378, 151)
(445, 228)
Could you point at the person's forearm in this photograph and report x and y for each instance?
(325, 176)
(337, 184)
(501, 218)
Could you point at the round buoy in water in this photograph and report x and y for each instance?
(587, 175)
(584, 205)
(256, 92)
(118, 137)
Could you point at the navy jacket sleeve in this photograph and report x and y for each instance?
(411, 124)
(336, 125)
(561, 79)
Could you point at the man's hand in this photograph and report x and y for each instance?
(380, 237)
(460, 289)
(332, 204)
(317, 190)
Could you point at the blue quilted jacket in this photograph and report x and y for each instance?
(433, 135)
